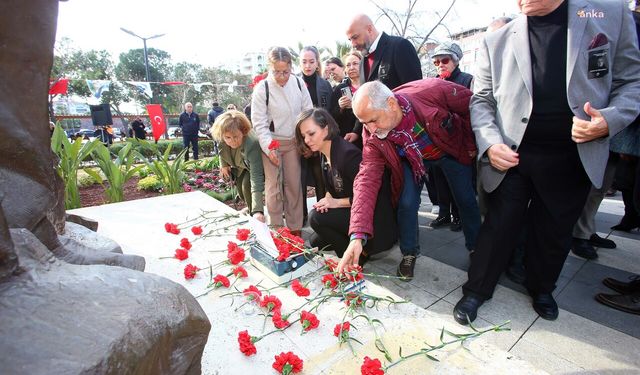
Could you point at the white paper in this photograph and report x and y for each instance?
(263, 237)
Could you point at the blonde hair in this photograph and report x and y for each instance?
(230, 121)
(353, 52)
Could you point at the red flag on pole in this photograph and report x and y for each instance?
(158, 124)
(59, 87)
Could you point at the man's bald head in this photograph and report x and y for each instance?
(362, 33)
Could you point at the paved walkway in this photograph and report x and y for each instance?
(586, 338)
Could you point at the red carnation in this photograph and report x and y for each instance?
(353, 272)
(271, 302)
(331, 264)
(341, 329)
(232, 246)
(184, 242)
(371, 367)
(308, 320)
(197, 230)
(278, 322)
(240, 272)
(246, 343)
(190, 271)
(329, 281)
(252, 293)
(274, 145)
(353, 300)
(242, 234)
(236, 256)
(181, 254)
(287, 363)
(171, 228)
(220, 280)
(299, 289)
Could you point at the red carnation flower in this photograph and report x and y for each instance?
(299, 289)
(308, 320)
(329, 281)
(371, 367)
(232, 246)
(274, 145)
(246, 343)
(197, 230)
(353, 272)
(236, 256)
(252, 293)
(185, 243)
(171, 228)
(340, 329)
(190, 271)
(331, 264)
(271, 302)
(353, 300)
(242, 234)
(240, 272)
(287, 363)
(220, 280)
(181, 254)
(278, 322)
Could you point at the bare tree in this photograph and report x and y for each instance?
(404, 23)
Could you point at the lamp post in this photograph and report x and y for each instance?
(144, 41)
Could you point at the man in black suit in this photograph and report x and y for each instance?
(390, 59)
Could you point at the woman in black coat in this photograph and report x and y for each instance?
(317, 131)
(350, 127)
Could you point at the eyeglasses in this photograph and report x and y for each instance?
(281, 74)
(444, 61)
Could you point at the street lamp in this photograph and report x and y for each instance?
(144, 41)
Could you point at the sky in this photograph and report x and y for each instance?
(213, 33)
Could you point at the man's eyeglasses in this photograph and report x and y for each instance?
(281, 74)
(444, 61)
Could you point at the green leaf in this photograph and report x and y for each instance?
(93, 174)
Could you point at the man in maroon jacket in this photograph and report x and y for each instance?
(419, 124)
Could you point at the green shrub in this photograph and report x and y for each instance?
(169, 172)
(144, 172)
(70, 157)
(117, 172)
(150, 183)
(86, 180)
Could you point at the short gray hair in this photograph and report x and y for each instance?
(377, 92)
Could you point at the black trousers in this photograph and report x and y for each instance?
(445, 199)
(311, 175)
(332, 227)
(193, 141)
(545, 193)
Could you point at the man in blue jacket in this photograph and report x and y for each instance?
(190, 125)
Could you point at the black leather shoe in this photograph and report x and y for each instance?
(456, 225)
(633, 286)
(440, 221)
(583, 248)
(466, 309)
(545, 305)
(629, 303)
(627, 224)
(605, 243)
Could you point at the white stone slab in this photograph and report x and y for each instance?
(138, 226)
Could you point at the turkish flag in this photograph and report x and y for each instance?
(59, 87)
(158, 124)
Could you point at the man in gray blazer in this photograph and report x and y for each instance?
(551, 88)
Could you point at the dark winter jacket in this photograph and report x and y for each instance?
(189, 123)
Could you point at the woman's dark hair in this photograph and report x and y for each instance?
(323, 119)
(335, 60)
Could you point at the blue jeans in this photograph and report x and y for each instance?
(460, 181)
(408, 212)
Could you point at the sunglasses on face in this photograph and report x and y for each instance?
(444, 61)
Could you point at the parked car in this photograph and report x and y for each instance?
(174, 131)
